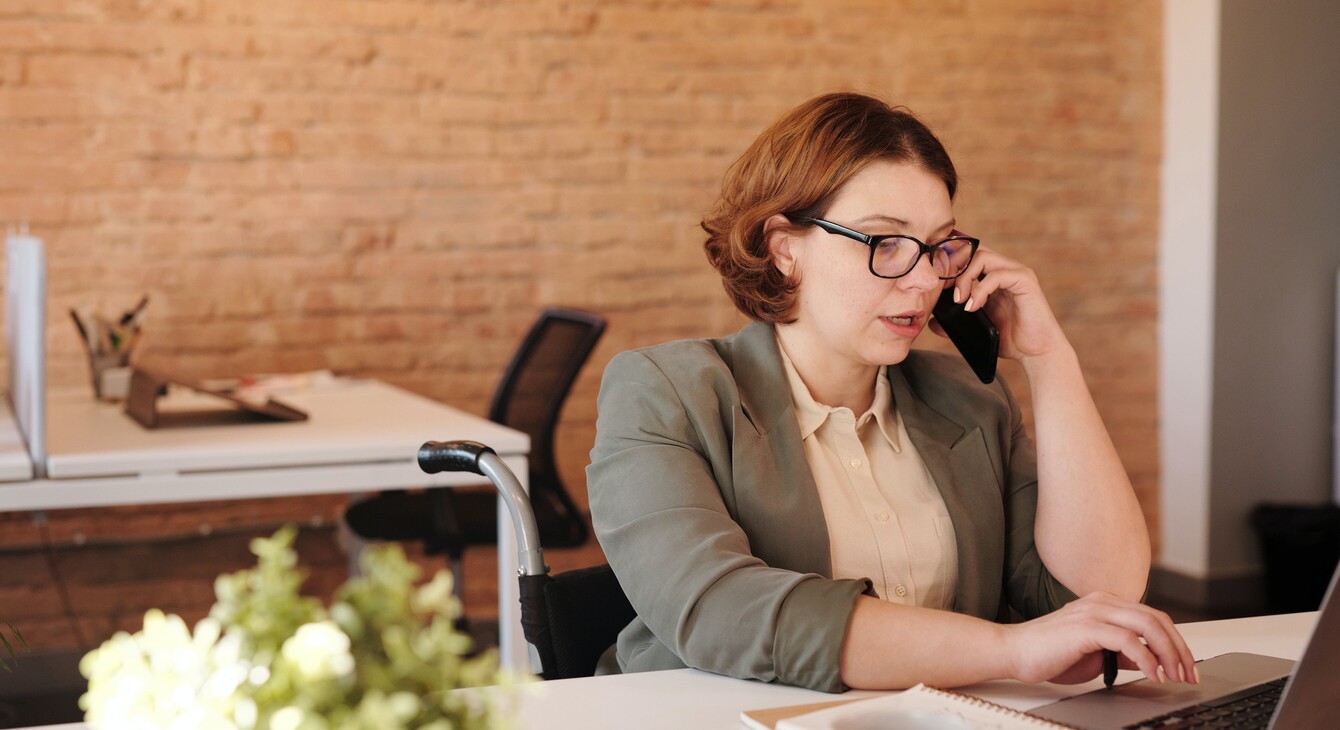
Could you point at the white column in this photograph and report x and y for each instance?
(1186, 279)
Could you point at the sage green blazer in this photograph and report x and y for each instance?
(707, 510)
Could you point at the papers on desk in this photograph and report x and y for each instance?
(918, 708)
(146, 387)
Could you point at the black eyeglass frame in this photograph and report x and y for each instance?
(874, 241)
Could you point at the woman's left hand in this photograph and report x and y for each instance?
(1013, 299)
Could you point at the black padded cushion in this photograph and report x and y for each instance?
(584, 612)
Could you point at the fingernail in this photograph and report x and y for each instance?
(968, 307)
(957, 295)
(1195, 672)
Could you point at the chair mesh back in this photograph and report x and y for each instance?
(532, 391)
(542, 374)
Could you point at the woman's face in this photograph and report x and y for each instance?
(844, 308)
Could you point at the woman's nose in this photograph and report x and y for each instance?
(922, 277)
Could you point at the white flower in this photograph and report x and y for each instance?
(319, 651)
(435, 596)
(163, 677)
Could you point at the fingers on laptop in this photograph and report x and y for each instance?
(1147, 637)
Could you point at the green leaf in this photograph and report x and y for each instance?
(9, 648)
(17, 634)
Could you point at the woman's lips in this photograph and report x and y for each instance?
(907, 324)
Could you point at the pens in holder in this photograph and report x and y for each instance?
(110, 344)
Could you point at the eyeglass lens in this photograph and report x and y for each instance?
(895, 257)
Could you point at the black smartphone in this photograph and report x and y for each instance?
(973, 333)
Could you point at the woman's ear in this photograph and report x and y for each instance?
(777, 235)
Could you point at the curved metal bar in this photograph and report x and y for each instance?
(529, 552)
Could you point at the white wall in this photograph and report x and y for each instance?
(1278, 246)
(1186, 279)
(1249, 246)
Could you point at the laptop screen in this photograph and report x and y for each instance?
(1311, 699)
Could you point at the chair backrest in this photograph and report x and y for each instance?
(532, 391)
(572, 618)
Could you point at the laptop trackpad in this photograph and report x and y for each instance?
(1129, 703)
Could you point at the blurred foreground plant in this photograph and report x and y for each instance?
(383, 657)
(7, 645)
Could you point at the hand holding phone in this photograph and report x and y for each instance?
(973, 333)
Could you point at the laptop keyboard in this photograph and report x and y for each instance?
(1250, 708)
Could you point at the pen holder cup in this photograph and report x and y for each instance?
(111, 377)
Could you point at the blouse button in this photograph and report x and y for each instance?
(901, 590)
(882, 516)
(856, 463)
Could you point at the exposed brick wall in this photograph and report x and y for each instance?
(393, 189)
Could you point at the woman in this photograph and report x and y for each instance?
(812, 502)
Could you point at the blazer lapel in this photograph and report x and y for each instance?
(776, 497)
(955, 454)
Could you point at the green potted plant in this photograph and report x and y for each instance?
(384, 655)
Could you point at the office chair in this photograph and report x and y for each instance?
(570, 618)
(528, 398)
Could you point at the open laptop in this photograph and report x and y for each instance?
(1251, 690)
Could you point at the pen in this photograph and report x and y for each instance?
(130, 316)
(102, 332)
(1109, 667)
(83, 331)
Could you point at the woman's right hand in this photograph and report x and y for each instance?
(1066, 645)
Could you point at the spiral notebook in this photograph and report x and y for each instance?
(919, 707)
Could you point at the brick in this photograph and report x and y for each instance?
(557, 110)
(11, 70)
(34, 208)
(46, 141)
(459, 110)
(99, 71)
(375, 107)
(30, 105)
(305, 43)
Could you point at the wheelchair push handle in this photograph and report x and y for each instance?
(476, 458)
(440, 456)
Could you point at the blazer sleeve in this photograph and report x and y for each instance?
(1029, 587)
(683, 561)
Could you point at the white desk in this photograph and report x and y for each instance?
(15, 466)
(360, 436)
(687, 698)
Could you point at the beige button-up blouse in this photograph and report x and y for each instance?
(886, 519)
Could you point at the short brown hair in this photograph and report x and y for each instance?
(796, 168)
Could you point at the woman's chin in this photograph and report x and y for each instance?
(889, 354)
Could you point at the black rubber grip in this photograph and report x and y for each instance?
(438, 456)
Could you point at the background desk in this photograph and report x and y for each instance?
(15, 466)
(361, 435)
(687, 698)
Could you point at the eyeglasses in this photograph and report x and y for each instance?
(894, 256)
